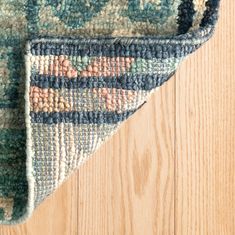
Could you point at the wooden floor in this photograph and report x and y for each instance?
(171, 167)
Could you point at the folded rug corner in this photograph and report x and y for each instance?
(71, 73)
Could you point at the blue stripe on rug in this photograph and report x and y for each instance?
(83, 117)
(146, 51)
(128, 82)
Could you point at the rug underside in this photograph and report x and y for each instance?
(71, 72)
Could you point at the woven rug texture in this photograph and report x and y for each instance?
(71, 72)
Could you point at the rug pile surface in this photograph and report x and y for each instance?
(71, 72)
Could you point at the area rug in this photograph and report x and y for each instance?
(71, 72)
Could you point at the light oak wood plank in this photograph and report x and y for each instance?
(205, 136)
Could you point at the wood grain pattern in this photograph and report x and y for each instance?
(205, 136)
(169, 169)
